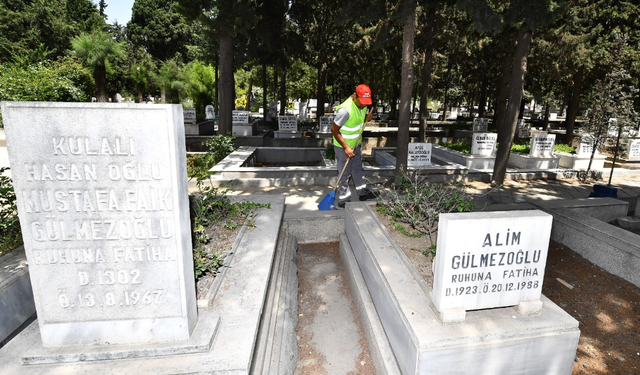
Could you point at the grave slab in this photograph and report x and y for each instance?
(490, 341)
(16, 296)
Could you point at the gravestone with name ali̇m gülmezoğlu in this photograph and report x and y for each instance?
(103, 204)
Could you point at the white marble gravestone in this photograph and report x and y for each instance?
(326, 122)
(585, 147)
(288, 123)
(542, 145)
(480, 125)
(240, 117)
(484, 144)
(210, 112)
(419, 155)
(189, 115)
(634, 150)
(103, 205)
(499, 261)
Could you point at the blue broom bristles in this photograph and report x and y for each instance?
(327, 202)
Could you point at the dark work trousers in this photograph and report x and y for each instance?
(354, 170)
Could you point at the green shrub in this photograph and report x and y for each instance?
(414, 201)
(10, 234)
(459, 146)
(218, 148)
(564, 148)
(524, 148)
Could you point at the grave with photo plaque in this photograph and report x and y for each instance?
(480, 125)
(484, 144)
(419, 155)
(210, 112)
(287, 127)
(102, 198)
(500, 261)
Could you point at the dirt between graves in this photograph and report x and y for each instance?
(607, 307)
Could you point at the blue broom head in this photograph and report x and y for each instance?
(327, 202)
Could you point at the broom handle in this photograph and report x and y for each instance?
(349, 159)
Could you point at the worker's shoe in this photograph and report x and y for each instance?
(341, 204)
(367, 195)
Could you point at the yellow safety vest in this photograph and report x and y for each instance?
(351, 129)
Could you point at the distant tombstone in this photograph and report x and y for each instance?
(419, 154)
(94, 99)
(480, 125)
(189, 115)
(524, 132)
(209, 112)
(240, 117)
(634, 151)
(326, 122)
(118, 98)
(484, 144)
(585, 147)
(273, 110)
(287, 123)
(542, 145)
(102, 197)
(302, 112)
(499, 261)
(612, 130)
(521, 123)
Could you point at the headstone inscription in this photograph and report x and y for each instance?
(326, 122)
(480, 125)
(499, 261)
(484, 144)
(419, 154)
(585, 147)
(240, 117)
(102, 199)
(209, 112)
(287, 122)
(189, 115)
(634, 150)
(542, 145)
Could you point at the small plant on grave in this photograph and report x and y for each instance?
(564, 148)
(218, 147)
(10, 233)
(419, 203)
(524, 148)
(431, 251)
(210, 207)
(206, 261)
(458, 146)
(330, 152)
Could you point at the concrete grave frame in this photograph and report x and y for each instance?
(544, 344)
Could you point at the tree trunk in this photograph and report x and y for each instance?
(515, 96)
(322, 83)
(574, 103)
(483, 96)
(163, 95)
(283, 90)
(275, 83)
(446, 91)
(227, 92)
(215, 100)
(406, 88)
(265, 108)
(545, 124)
(503, 86)
(100, 76)
(426, 75)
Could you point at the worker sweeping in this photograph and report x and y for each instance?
(347, 128)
